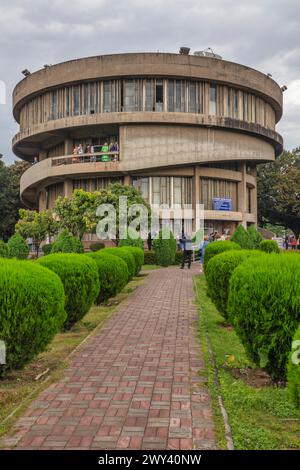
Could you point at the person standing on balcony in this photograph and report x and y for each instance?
(105, 158)
(80, 149)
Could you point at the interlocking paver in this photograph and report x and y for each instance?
(135, 384)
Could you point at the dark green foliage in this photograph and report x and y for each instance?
(264, 308)
(31, 310)
(3, 249)
(293, 370)
(67, 243)
(79, 275)
(269, 246)
(242, 237)
(138, 242)
(218, 273)
(138, 255)
(46, 249)
(165, 248)
(126, 256)
(97, 246)
(254, 236)
(149, 257)
(17, 247)
(178, 257)
(215, 248)
(113, 274)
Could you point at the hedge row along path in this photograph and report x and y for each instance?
(134, 384)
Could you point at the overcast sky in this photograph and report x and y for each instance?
(264, 34)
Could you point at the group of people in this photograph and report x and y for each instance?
(109, 152)
(186, 246)
(291, 241)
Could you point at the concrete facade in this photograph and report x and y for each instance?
(189, 129)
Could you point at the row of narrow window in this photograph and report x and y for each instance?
(163, 190)
(156, 95)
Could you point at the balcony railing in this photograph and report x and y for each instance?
(102, 157)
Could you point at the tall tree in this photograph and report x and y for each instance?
(36, 225)
(10, 202)
(278, 187)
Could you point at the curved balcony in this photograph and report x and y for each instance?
(26, 143)
(57, 169)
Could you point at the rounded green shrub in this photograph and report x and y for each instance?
(17, 247)
(269, 246)
(125, 256)
(254, 236)
(164, 246)
(3, 249)
(138, 257)
(113, 274)
(46, 249)
(218, 272)
(31, 312)
(217, 247)
(79, 275)
(97, 246)
(293, 370)
(264, 308)
(137, 243)
(66, 243)
(241, 237)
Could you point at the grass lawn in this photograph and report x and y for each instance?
(20, 387)
(261, 415)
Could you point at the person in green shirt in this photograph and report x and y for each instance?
(105, 158)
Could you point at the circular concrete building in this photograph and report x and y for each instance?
(184, 129)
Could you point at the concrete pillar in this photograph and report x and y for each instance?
(127, 180)
(68, 146)
(68, 188)
(242, 194)
(43, 200)
(195, 193)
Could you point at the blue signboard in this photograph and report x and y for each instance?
(222, 204)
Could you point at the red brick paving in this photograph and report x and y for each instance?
(134, 384)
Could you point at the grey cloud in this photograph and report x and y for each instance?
(263, 34)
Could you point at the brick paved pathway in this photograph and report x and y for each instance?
(134, 384)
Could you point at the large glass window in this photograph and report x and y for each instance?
(171, 95)
(161, 190)
(212, 188)
(192, 97)
(212, 99)
(76, 100)
(159, 95)
(142, 184)
(86, 99)
(54, 104)
(149, 98)
(182, 190)
(106, 96)
(92, 98)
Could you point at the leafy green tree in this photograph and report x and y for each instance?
(134, 197)
(77, 214)
(36, 225)
(278, 186)
(10, 202)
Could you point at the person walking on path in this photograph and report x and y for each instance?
(187, 251)
(149, 241)
(202, 249)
